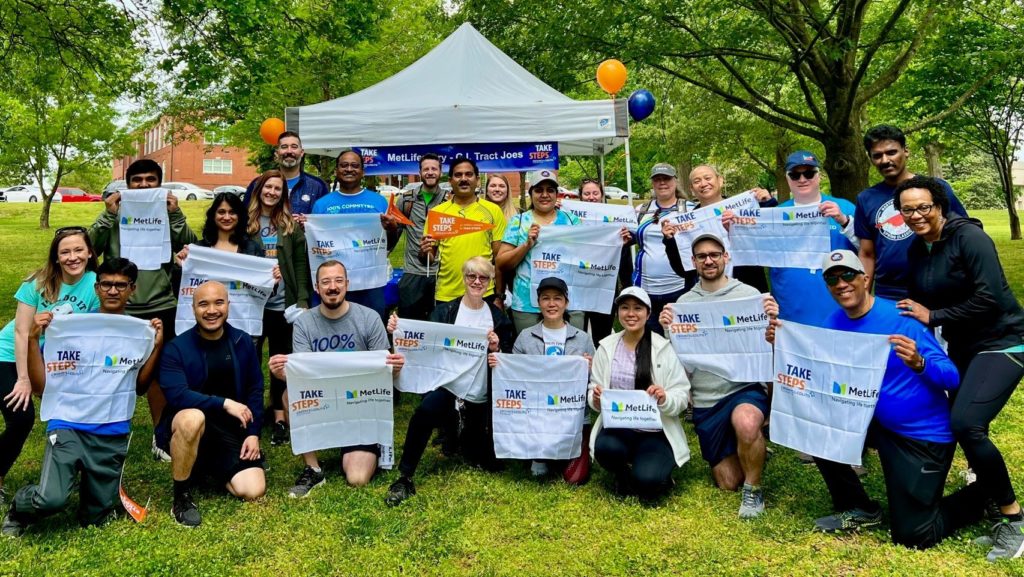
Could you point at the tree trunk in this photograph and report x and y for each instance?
(1006, 183)
(932, 152)
(44, 214)
(781, 184)
(847, 164)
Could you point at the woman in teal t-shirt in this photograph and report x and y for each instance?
(63, 285)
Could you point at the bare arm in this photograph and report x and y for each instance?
(867, 257)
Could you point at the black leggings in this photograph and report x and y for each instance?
(436, 411)
(644, 459)
(18, 424)
(915, 476)
(278, 334)
(985, 386)
(600, 325)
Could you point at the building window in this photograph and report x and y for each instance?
(217, 166)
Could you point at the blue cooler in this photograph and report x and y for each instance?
(391, 289)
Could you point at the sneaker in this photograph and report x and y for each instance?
(851, 520)
(983, 541)
(158, 453)
(805, 458)
(307, 481)
(751, 502)
(1007, 540)
(859, 470)
(538, 469)
(184, 510)
(279, 434)
(399, 491)
(13, 525)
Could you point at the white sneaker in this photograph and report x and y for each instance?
(158, 453)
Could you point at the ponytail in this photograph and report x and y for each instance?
(644, 360)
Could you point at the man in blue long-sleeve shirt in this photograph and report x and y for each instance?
(214, 387)
(910, 427)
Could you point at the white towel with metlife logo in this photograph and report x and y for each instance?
(723, 337)
(357, 240)
(248, 279)
(92, 362)
(601, 213)
(783, 237)
(827, 384)
(538, 405)
(340, 399)
(144, 228)
(442, 355)
(585, 257)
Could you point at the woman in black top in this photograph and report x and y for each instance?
(958, 284)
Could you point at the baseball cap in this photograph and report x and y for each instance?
(841, 259)
(544, 176)
(635, 292)
(707, 236)
(663, 169)
(801, 158)
(553, 282)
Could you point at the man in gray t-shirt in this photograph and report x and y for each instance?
(727, 416)
(336, 325)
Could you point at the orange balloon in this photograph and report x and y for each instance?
(611, 75)
(271, 129)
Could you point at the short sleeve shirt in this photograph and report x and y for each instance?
(453, 252)
(516, 234)
(364, 201)
(76, 298)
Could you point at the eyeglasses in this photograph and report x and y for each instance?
(472, 278)
(70, 230)
(798, 174)
(120, 287)
(326, 282)
(923, 210)
(702, 256)
(846, 275)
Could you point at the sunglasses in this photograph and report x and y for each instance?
(70, 230)
(846, 275)
(798, 174)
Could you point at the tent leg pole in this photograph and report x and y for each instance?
(629, 175)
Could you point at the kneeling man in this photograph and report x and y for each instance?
(211, 377)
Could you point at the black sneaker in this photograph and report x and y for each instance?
(279, 434)
(184, 510)
(13, 525)
(399, 491)
(307, 481)
(851, 520)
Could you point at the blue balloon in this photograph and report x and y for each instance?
(641, 104)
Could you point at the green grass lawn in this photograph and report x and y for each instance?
(465, 522)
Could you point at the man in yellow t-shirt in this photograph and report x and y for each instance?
(452, 252)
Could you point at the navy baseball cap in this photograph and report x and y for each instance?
(801, 158)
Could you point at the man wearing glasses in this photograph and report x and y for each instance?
(303, 189)
(727, 416)
(154, 296)
(801, 294)
(884, 236)
(343, 326)
(911, 424)
(96, 448)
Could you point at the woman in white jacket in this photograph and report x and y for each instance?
(641, 460)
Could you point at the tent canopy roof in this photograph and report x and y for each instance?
(465, 90)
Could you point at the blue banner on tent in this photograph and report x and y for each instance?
(499, 157)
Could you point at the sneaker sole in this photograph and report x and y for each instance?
(867, 525)
(294, 496)
(180, 524)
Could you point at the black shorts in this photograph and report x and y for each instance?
(220, 450)
(375, 449)
(714, 425)
(416, 296)
(166, 316)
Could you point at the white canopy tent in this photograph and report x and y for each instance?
(465, 90)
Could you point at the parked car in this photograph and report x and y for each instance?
(616, 192)
(444, 186)
(114, 186)
(387, 189)
(564, 192)
(232, 188)
(71, 194)
(26, 193)
(188, 191)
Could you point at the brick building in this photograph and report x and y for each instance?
(185, 155)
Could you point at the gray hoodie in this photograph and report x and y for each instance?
(708, 388)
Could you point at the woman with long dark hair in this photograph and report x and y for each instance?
(639, 359)
(270, 219)
(64, 285)
(957, 283)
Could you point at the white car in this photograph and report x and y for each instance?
(188, 191)
(387, 189)
(26, 193)
(232, 188)
(616, 192)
